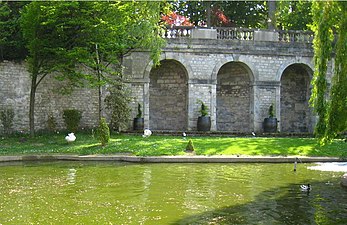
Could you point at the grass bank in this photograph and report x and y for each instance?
(86, 144)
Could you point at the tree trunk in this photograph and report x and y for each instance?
(271, 15)
(32, 105)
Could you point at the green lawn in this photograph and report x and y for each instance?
(171, 145)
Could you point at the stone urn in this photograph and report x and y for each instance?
(204, 121)
(270, 123)
(138, 123)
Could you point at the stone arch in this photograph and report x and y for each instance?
(167, 56)
(251, 69)
(234, 99)
(295, 113)
(168, 96)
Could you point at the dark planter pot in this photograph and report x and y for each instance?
(270, 125)
(204, 123)
(138, 123)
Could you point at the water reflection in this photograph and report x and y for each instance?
(124, 193)
(71, 176)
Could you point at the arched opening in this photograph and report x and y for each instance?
(234, 93)
(295, 94)
(168, 96)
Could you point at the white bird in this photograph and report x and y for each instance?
(184, 134)
(305, 187)
(253, 134)
(147, 133)
(70, 137)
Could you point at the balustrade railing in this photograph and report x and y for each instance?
(243, 34)
(178, 31)
(234, 33)
(295, 36)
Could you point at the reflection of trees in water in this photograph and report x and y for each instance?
(325, 204)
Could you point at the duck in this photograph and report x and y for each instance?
(147, 133)
(305, 187)
(70, 137)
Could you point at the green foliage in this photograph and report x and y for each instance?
(86, 40)
(117, 102)
(51, 123)
(329, 17)
(139, 111)
(190, 146)
(271, 111)
(12, 45)
(203, 109)
(103, 132)
(294, 15)
(252, 14)
(6, 117)
(72, 118)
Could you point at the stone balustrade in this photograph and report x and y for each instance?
(235, 33)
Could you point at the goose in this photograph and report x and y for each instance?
(305, 187)
(70, 137)
(147, 133)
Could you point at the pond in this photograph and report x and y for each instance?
(125, 193)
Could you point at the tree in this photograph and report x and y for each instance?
(294, 15)
(86, 40)
(12, 45)
(330, 26)
(251, 14)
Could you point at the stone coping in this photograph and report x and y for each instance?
(172, 159)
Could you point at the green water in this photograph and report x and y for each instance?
(124, 193)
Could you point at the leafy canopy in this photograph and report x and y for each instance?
(330, 26)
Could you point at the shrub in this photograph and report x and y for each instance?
(271, 111)
(204, 109)
(6, 117)
(51, 123)
(139, 111)
(117, 102)
(72, 118)
(103, 132)
(190, 146)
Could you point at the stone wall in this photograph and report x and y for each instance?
(237, 80)
(168, 97)
(233, 99)
(295, 94)
(15, 90)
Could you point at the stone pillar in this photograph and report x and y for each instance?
(146, 104)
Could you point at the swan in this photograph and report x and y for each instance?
(70, 137)
(147, 133)
(305, 187)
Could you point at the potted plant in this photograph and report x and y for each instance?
(204, 121)
(270, 123)
(138, 120)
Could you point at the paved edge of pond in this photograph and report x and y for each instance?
(173, 159)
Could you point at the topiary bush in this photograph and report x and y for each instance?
(103, 132)
(190, 146)
(6, 117)
(72, 118)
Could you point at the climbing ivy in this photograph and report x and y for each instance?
(330, 26)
